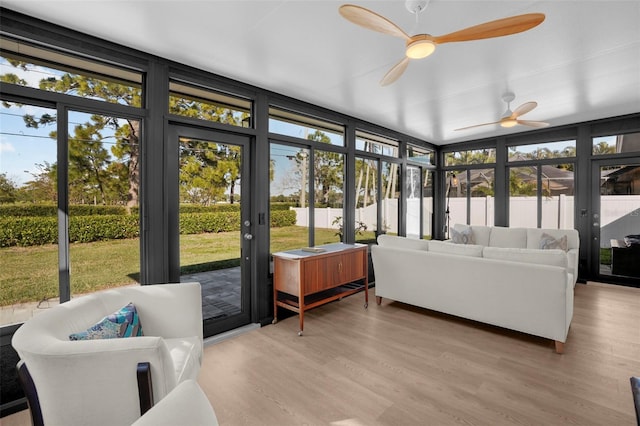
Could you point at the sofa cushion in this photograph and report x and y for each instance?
(542, 257)
(402, 242)
(508, 237)
(458, 249)
(462, 235)
(123, 323)
(548, 242)
(481, 234)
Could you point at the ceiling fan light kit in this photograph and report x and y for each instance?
(420, 46)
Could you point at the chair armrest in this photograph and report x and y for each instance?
(185, 405)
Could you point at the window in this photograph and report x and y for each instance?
(289, 172)
(367, 175)
(194, 102)
(617, 144)
(300, 126)
(563, 149)
(104, 188)
(375, 144)
(28, 197)
(541, 195)
(421, 155)
(53, 71)
(328, 176)
(474, 156)
(390, 197)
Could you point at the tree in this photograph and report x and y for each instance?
(8, 189)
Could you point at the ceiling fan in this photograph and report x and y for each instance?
(511, 118)
(422, 45)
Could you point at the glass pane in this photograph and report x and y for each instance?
(104, 155)
(456, 207)
(620, 220)
(391, 197)
(421, 155)
(523, 198)
(28, 197)
(427, 205)
(414, 201)
(210, 231)
(616, 144)
(366, 226)
(207, 105)
(562, 149)
(474, 156)
(289, 194)
(68, 74)
(301, 126)
(482, 187)
(328, 172)
(376, 144)
(557, 196)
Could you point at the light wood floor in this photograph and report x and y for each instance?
(397, 365)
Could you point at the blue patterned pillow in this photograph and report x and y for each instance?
(123, 323)
(462, 237)
(547, 242)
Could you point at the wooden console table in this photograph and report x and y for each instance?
(303, 279)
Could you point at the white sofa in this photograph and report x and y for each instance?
(95, 382)
(502, 283)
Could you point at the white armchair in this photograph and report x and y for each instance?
(97, 381)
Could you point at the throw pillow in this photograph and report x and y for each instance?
(122, 323)
(547, 242)
(464, 236)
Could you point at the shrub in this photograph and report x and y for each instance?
(280, 218)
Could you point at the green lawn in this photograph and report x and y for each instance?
(31, 273)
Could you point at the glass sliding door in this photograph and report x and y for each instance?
(616, 220)
(211, 226)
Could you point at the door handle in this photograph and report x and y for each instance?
(248, 236)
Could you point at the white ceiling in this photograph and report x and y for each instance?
(582, 63)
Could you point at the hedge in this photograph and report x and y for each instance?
(30, 231)
(50, 210)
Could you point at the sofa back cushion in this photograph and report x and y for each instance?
(402, 242)
(534, 237)
(457, 249)
(481, 234)
(542, 257)
(508, 237)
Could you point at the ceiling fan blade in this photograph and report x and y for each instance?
(477, 125)
(371, 20)
(537, 124)
(395, 72)
(523, 109)
(497, 28)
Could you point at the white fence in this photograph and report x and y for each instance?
(619, 214)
